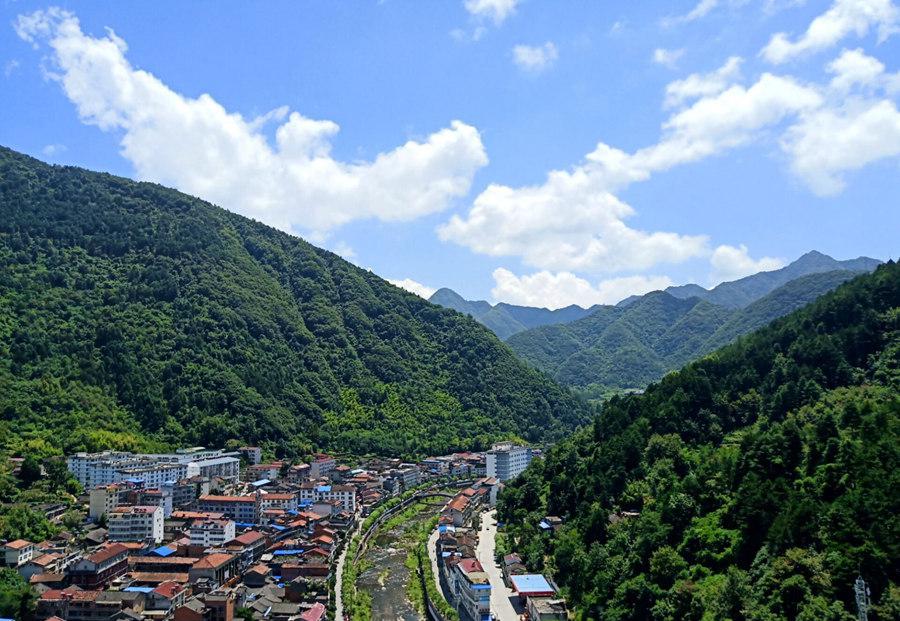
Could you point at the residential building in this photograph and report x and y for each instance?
(138, 523)
(321, 466)
(506, 460)
(239, 508)
(99, 568)
(104, 498)
(470, 586)
(218, 568)
(285, 502)
(18, 552)
(546, 609)
(252, 454)
(211, 533)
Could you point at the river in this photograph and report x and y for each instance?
(387, 576)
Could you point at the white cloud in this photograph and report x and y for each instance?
(667, 58)
(573, 221)
(495, 10)
(843, 18)
(700, 10)
(730, 263)
(557, 290)
(51, 150)
(203, 149)
(831, 141)
(535, 59)
(699, 85)
(423, 291)
(10, 67)
(855, 68)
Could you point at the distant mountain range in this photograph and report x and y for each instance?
(631, 345)
(506, 320)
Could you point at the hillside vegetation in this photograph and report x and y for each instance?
(631, 345)
(132, 315)
(756, 483)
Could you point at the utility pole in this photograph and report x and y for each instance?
(862, 599)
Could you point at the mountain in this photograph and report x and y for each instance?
(631, 345)
(756, 483)
(503, 319)
(132, 315)
(740, 293)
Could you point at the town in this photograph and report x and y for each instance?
(215, 535)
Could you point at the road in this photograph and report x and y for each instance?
(339, 573)
(501, 605)
(432, 555)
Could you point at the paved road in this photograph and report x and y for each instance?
(501, 605)
(432, 554)
(339, 573)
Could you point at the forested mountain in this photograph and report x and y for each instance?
(503, 319)
(629, 346)
(740, 293)
(134, 315)
(756, 483)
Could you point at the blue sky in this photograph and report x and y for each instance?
(533, 152)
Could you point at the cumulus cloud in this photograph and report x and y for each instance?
(198, 146)
(731, 263)
(855, 68)
(423, 291)
(699, 85)
(535, 59)
(667, 58)
(495, 10)
(557, 290)
(574, 221)
(843, 18)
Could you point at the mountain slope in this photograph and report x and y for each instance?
(629, 346)
(503, 319)
(740, 293)
(754, 484)
(131, 314)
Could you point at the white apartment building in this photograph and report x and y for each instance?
(103, 500)
(321, 466)
(18, 552)
(151, 470)
(344, 494)
(211, 533)
(136, 524)
(506, 460)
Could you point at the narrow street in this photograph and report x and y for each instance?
(339, 574)
(501, 604)
(432, 555)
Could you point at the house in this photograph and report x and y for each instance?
(257, 575)
(253, 454)
(211, 533)
(139, 523)
(49, 563)
(531, 585)
(285, 502)
(18, 552)
(207, 607)
(167, 596)
(99, 568)
(459, 510)
(238, 508)
(321, 466)
(105, 498)
(249, 546)
(546, 609)
(217, 568)
(315, 613)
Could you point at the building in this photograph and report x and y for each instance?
(211, 533)
(206, 607)
(321, 466)
(546, 609)
(253, 454)
(471, 588)
(239, 508)
(99, 568)
(506, 460)
(104, 498)
(408, 475)
(225, 467)
(151, 470)
(139, 523)
(18, 552)
(285, 502)
(314, 493)
(531, 585)
(217, 568)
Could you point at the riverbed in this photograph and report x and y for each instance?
(387, 577)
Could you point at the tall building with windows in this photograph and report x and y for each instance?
(506, 460)
(139, 523)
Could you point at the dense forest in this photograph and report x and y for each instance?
(134, 316)
(756, 483)
(630, 345)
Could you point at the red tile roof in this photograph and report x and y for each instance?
(316, 613)
(107, 553)
(18, 544)
(468, 565)
(213, 561)
(214, 498)
(168, 589)
(248, 538)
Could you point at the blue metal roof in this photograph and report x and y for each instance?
(260, 482)
(288, 552)
(323, 488)
(481, 587)
(531, 583)
(163, 551)
(133, 589)
(544, 524)
(278, 528)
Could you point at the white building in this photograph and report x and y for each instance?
(103, 500)
(321, 466)
(136, 524)
(211, 533)
(152, 470)
(18, 552)
(506, 460)
(344, 494)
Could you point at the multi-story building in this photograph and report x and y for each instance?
(321, 466)
(252, 454)
(471, 588)
(98, 569)
(139, 523)
(105, 498)
(211, 533)
(285, 502)
(506, 460)
(157, 497)
(239, 508)
(314, 493)
(152, 470)
(270, 471)
(18, 552)
(408, 475)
